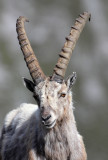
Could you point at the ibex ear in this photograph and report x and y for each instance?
(29, 84)
(71, 80)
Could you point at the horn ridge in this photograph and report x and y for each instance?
(66, 52)
(29, 56)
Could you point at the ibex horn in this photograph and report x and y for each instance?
(66, 52)
(29, 56)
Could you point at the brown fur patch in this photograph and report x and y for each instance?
(31, 155)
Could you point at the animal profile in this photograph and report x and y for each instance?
(46, 130)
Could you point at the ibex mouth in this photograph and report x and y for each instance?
(49, 125)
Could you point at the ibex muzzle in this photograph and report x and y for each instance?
(47, 116)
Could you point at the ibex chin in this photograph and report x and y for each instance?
(46, 131)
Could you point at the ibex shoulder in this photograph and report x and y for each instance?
(20, 115)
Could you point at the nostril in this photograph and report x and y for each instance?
(46, 118)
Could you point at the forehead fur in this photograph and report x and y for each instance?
(51, 86)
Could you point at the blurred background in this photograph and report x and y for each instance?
(50, 22)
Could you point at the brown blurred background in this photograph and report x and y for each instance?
(50, 22)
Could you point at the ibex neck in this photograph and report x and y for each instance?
(58, 142)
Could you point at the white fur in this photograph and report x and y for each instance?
(19, 116)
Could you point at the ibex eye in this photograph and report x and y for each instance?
(63, 95)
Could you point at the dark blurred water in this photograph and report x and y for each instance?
(50, 23)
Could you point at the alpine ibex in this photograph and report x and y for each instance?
(46, 131)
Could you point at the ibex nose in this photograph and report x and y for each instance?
(46, 118)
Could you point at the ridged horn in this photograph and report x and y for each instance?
(66, 52)
(29, 56)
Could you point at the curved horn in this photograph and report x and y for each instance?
(29, 56)
(66, 52)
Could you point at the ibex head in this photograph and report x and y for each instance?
(53, 94)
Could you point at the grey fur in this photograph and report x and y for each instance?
(25, 137)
